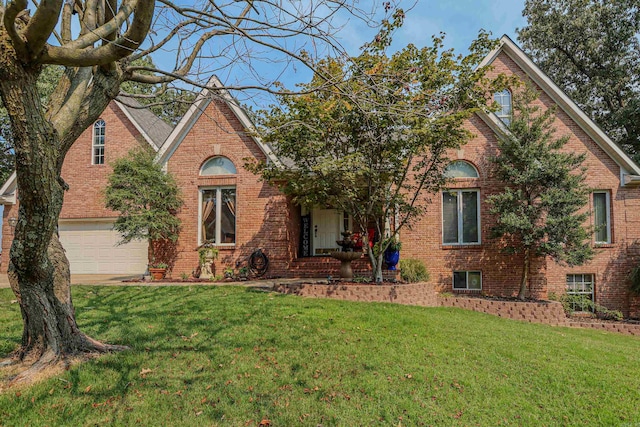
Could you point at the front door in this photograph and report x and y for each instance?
(325, 230)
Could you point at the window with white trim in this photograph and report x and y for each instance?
(467, 280)
(602, 216)
(581, 285)
(503, 99)
(218, 215)
(97, 145)
(460, 217)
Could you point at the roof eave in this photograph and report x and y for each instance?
(563, 101)
(135, 123)
(189, 119)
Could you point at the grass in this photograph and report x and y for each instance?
(233, 357)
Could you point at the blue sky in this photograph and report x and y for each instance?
(459, 19)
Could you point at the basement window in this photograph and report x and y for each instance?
(580, 286)
(467, 280)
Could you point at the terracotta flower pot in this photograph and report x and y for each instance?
(157, 273)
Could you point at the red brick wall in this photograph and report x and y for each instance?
(265, 218)
(421, 294)
(86, 181)
(501, 272)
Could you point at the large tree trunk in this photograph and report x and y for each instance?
(38, 268)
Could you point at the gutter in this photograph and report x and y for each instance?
(631, 180)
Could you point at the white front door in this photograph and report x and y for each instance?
(325, 230)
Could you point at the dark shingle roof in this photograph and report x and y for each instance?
(155, 128)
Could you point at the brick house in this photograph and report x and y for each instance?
(227, 204)
(85, 225)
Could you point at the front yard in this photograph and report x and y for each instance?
(232, 356)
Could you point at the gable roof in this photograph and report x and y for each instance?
(152, 128)
(213, 90)
(629, 170)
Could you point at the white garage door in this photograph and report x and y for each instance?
(92, 249)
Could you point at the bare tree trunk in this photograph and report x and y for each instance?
(522, 294)
(38, 267)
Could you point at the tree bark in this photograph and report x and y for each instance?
(524, 281)
(38, 268)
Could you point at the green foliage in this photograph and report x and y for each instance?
(372, 142)
(145, 197)
(205, 252)
(159, 265)
(184, 276)
(413, 271)
(225, 355)
(393, 244)
(635, 280)
(583, 303)
(540, 211)
(591, 49)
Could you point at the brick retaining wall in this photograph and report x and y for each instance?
(547, 312)
(414, 294)
(423, 294)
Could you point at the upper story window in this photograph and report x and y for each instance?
(97, 145)
(461, 169)
(503, 99)
(218, 166)
(602, 216)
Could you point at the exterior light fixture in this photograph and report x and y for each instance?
(13, 221)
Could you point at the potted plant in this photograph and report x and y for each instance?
(392, 253)
(158, 270)
(207, 254)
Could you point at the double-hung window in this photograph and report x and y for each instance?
(503, 99)
(218, 215)
(97, 146)
(602, 217)
(461, 217)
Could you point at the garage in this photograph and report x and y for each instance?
(91, 248)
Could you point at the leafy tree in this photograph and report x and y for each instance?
(374, 143)
(146, 198)
(540, 211)
(96, 44)
(591, 49)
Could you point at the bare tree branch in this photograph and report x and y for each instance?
(42, 24)
(9, 21)
(120, 48)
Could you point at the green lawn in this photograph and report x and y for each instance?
(232, 357)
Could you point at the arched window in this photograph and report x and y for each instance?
(218, 205)
(503, 99)
(97, 146)
(461, 169)
(218, 166)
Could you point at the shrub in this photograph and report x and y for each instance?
(571, 303)
(413, 270)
